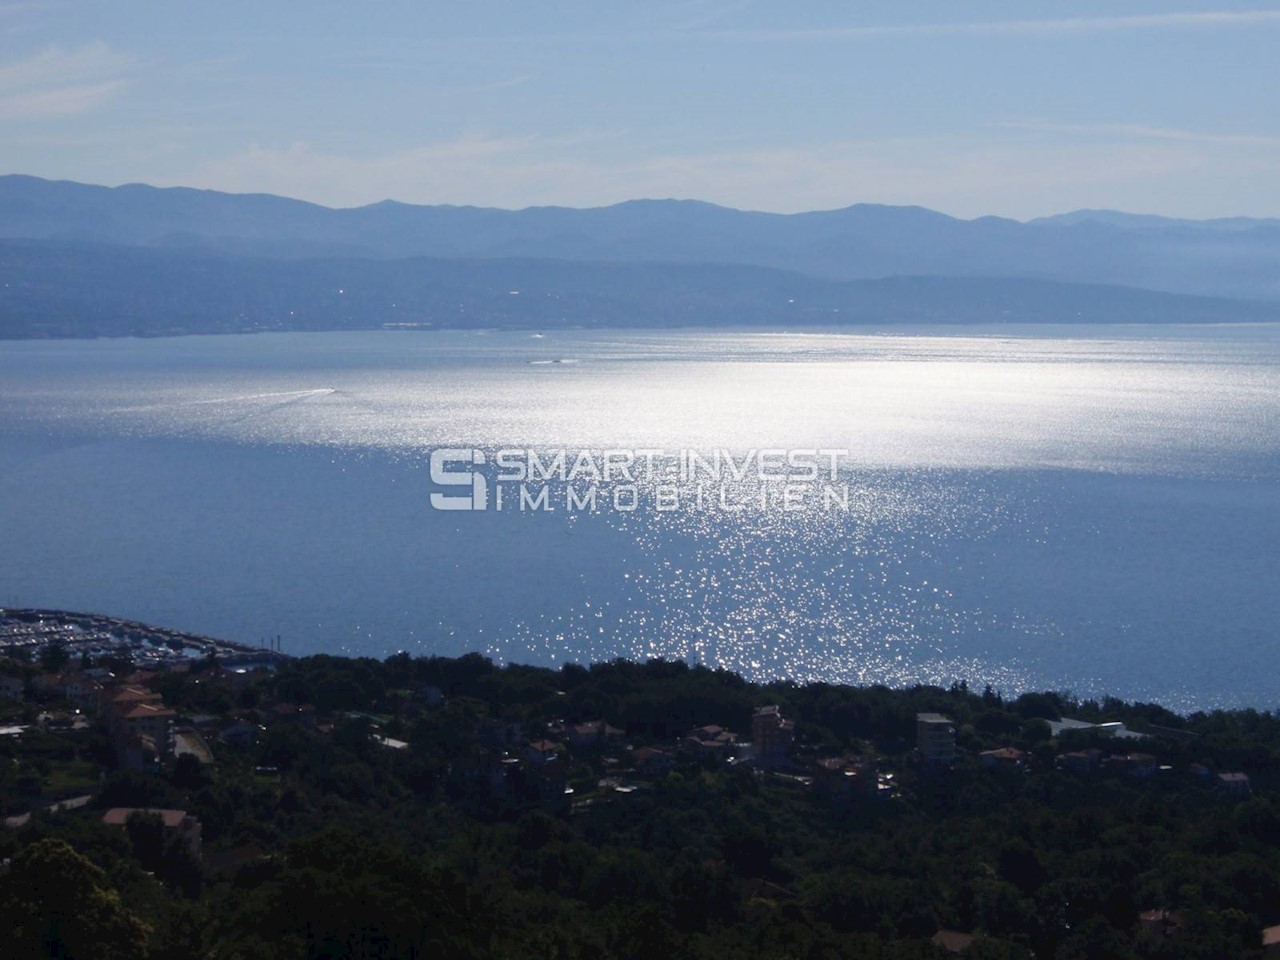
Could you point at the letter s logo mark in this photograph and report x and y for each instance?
(441, 475)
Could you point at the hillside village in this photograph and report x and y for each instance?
(158, 752)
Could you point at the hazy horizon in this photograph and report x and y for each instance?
(633, 200)
(1016, 111)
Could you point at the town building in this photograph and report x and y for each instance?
(1271, 941)
(81, 690)
(179, 826)
(652, 762)
(139, 723)
(593, 733)
(1109, 728)
(709, 741)
(1234, 784)
(1006, 758)
(772, 735)
(151, 720)
(936, 739)
(541, 751)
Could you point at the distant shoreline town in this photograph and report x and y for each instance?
(85, 261)
(96, 635)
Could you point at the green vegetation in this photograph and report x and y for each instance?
(320, 840)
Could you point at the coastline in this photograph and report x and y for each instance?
(95, 634)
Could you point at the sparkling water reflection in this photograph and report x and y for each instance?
(1029, 508)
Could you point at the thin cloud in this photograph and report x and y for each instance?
(968, 177)
(59, 82)
(1142, 132)
(60, 102)
(1069, 25)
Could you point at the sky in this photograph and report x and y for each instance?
(1017, 109)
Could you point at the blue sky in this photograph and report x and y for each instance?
(1018, 109)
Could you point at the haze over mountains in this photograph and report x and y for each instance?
(81, 260)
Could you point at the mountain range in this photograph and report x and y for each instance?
(84, 260)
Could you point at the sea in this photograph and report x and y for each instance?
(1093, 509)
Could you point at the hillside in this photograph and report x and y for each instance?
(51, 289)
(1232, 258)
(437, 807)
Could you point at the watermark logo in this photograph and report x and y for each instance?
(625, 480)
(445, 472)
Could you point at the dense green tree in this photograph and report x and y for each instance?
(55, 903)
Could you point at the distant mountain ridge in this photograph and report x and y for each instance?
(1151, 221)
(1233, 257)
(59, 289)
(81, 261)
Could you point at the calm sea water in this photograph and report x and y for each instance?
(1094, 509)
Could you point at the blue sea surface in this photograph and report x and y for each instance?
(1092, 509)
